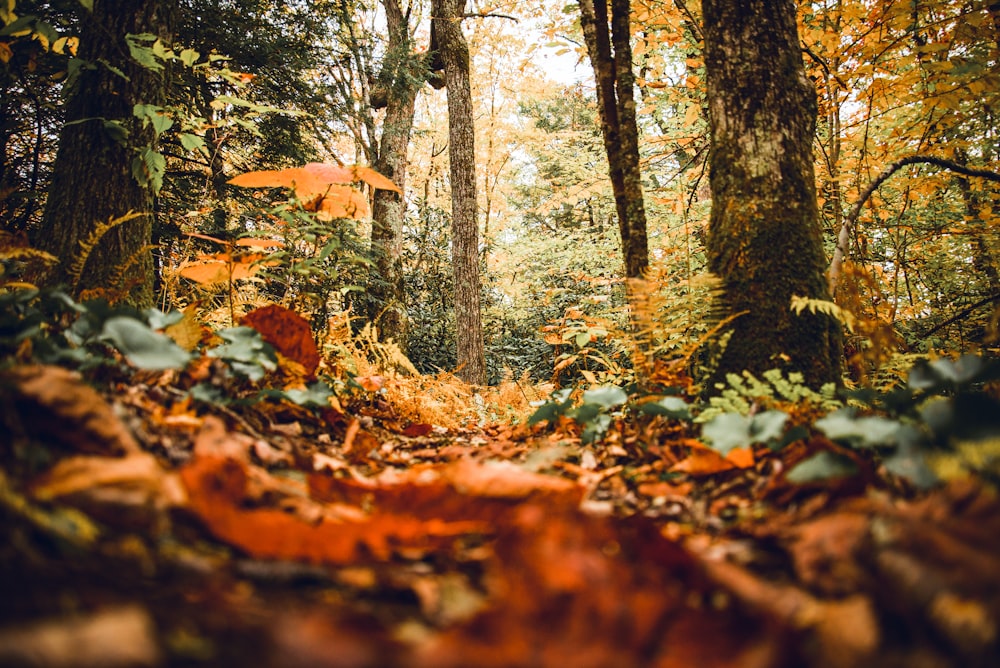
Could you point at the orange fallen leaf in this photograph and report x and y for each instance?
(217, 488)
(742, 458)
(288, 332)
(703, 462)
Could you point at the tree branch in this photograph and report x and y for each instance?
(840, 253)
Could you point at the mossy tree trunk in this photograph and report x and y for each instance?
(404, 74)
(92, 180)
(764, 236)
(454, 52)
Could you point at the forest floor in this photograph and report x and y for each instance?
(151, 530)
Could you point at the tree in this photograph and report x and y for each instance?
(764, 239)
(403, 74)
(454, 51)
(103, 170)
(616, 101)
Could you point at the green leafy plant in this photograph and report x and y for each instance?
(593, 412)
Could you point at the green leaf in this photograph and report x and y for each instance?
(143, 54)
(144, 348)
(316, 394)
(863, 432)
(148, 168)
(153, 114)
(116, 131)
(547, 411)
(733, 430)
(88, 5)
(821, 466)
(727, 431)
(606, 396)
(595, 428)
(244, 344)
(671, 407)
(191, 142)
(767, 426)
(189, 57)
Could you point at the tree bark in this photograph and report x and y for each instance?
(616, 102)
(764, 236)
(387, 292)
(454, 51)
(92, 181)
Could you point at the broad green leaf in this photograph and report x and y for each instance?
(116, 131)
(767, 426)
(821, 466)
(87, 4)
(191, 142)
(547, 411)
(316, 394)
(144, 348)
(143, 54)
(607, 396)
(189, 57)
(151, 114)
(732, 430)
(728, 431)
(595, 428)
(671, 407)
(148, 168)
(244, 346)
(863, 432)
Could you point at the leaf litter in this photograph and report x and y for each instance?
(357, 535)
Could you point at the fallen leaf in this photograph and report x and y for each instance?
(504, 480)
(113, 637)
(703, 462)
(55, 405)
(217, 488)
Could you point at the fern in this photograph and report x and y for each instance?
(87, 245)
(843, 316)
(743, 393)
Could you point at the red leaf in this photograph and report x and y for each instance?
(288, 332)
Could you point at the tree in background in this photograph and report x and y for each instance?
(403, 73)
(609, 46)
(764, 239)
(454, 51)
(103, 169)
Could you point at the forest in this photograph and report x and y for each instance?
(468, 333)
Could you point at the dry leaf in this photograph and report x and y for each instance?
(116, 637)
(54, 404)
(288, 332)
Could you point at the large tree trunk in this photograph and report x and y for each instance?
(764, 236)
(616, 102)
(92, 181)
(387, 291)
(464, 225)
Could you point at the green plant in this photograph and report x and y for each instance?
(744, 394)
(593, 412)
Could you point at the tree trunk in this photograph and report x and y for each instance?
(616, 101)
(92, 181)
(764, 235)
(387, 292)
(464, 225)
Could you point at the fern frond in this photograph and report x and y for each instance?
(87, 245)
(24, 254)
(844, 317)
